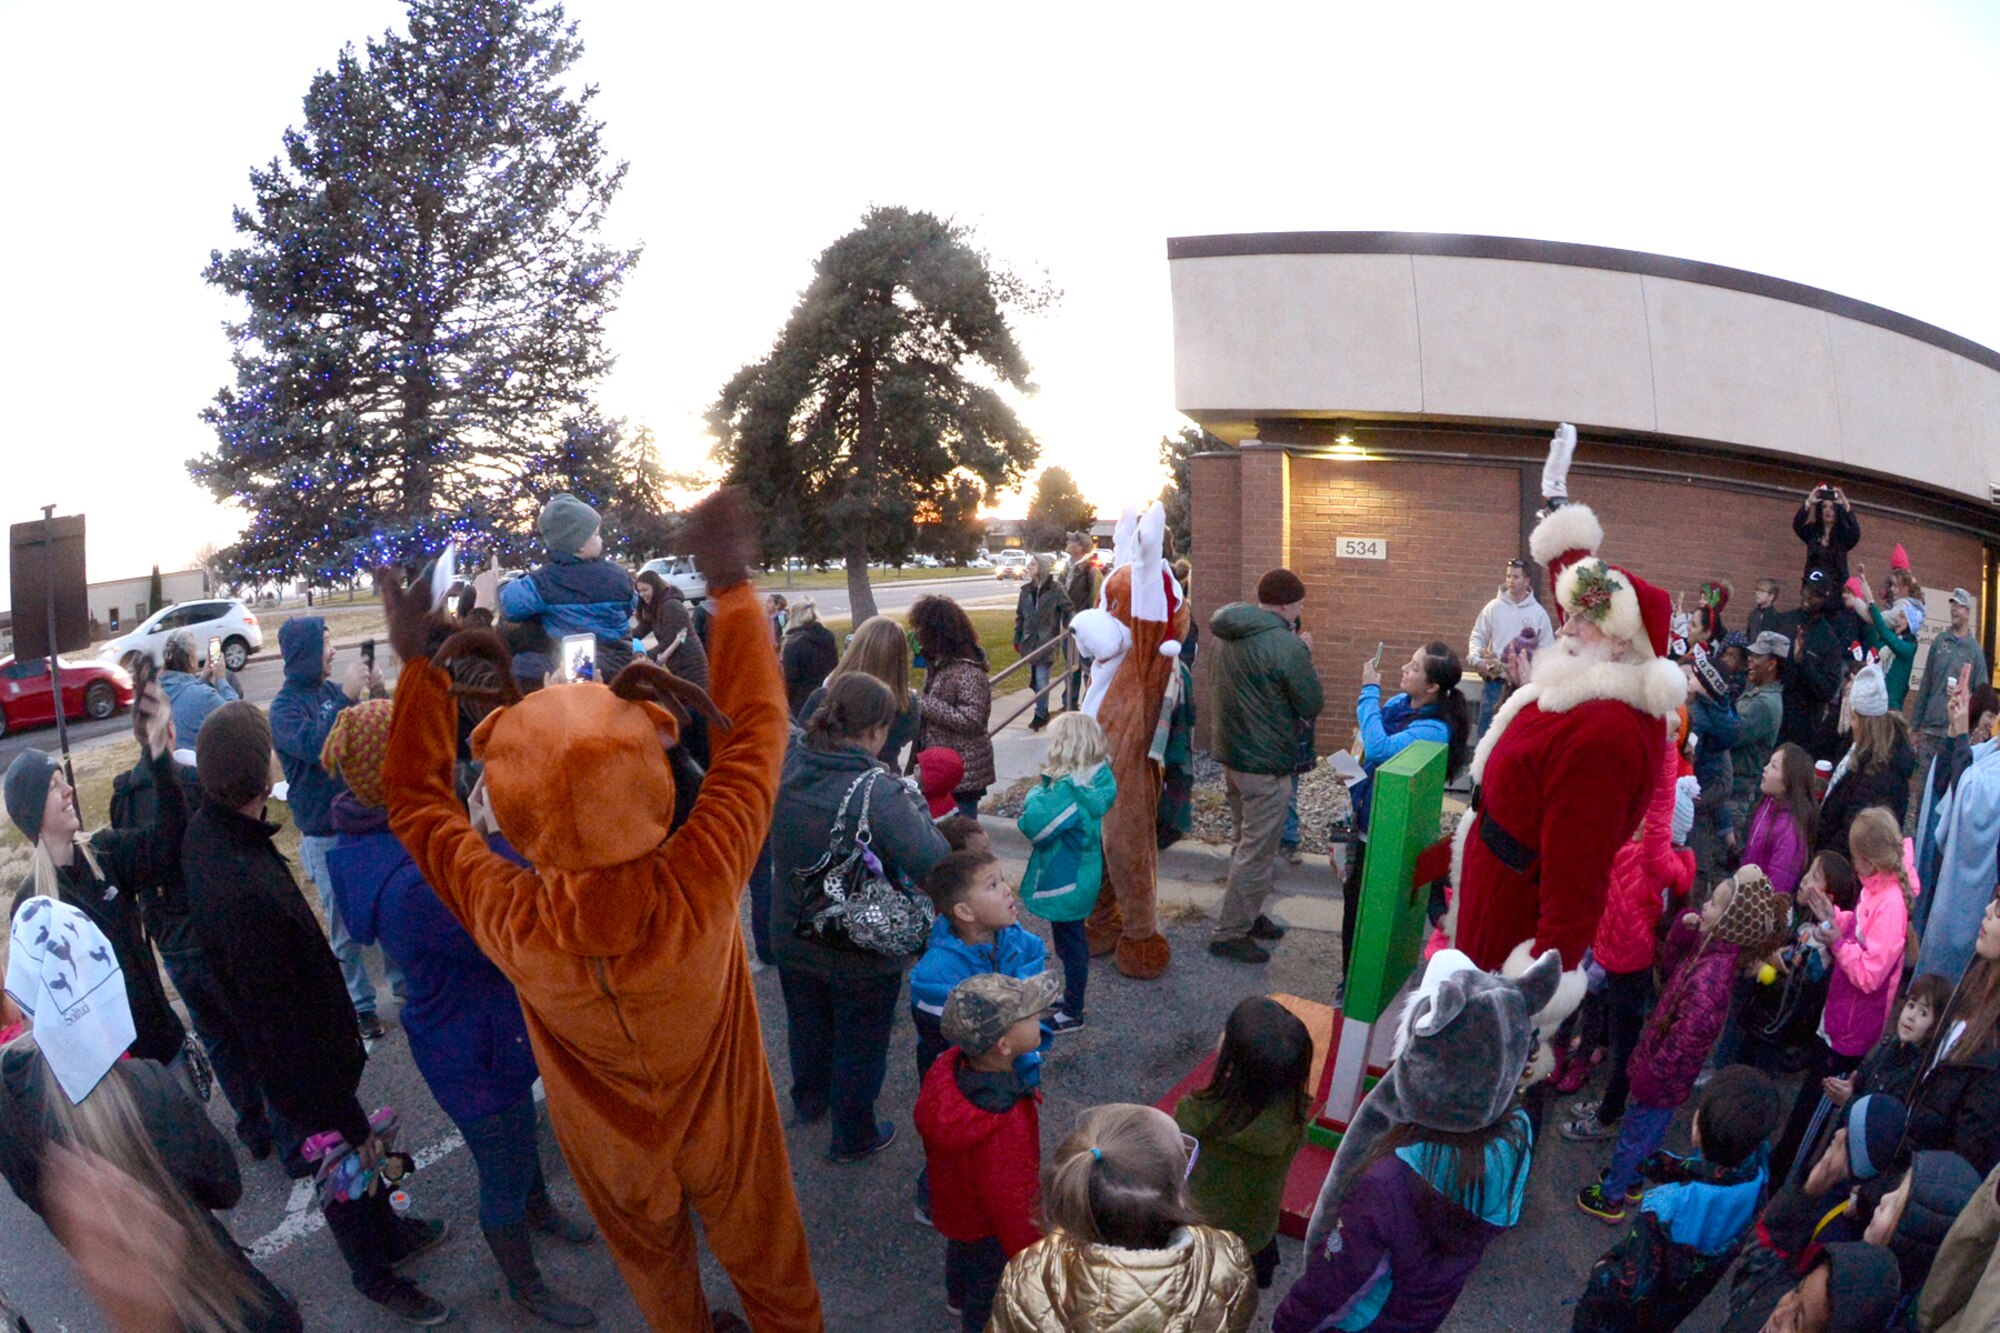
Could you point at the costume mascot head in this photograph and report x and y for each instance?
(1566, 769)
(1133, 638)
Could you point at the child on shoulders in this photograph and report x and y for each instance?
(576, 591)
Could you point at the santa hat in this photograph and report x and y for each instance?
(1622, 604)
(1899, 559)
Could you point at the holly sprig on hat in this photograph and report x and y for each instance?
(1595, 586)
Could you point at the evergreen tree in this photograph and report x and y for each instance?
(1175, 450)
(155, 598)
(878, 403)
(640, 522)
(1057, 509)
(425, 297)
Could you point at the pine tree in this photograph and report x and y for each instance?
(1057, 509)
(875, 407)
(426, 295)
(155, 597)
(1175, 450)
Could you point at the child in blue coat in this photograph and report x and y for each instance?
(977, 930)
(577, 591)
(1064, 819)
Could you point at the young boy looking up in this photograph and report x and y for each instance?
(982, 1134)
(577, 591)
(977, 930)
(1693, 1221)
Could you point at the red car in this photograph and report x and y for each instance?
(89, 689)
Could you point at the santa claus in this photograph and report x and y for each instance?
(1565, 770)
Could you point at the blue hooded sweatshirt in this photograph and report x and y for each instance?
(949, 960)
(571, 595)
(301, 717)
(463, 1018)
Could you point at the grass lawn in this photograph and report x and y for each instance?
(777, 580)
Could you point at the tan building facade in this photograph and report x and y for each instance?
(1392, 397)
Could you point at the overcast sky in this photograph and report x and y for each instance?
(1845, 146)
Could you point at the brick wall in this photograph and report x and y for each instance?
(1451, 525)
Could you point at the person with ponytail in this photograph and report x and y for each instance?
(1428, 707)
(1956, 1103)
(1125, 1245)
(840, 1004)
(71, 1101)
(1869, 946)
(103, 874)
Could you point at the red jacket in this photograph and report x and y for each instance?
(1626, 931)
(985, 1167)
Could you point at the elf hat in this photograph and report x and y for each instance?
(1622, 604)
(1899, 558)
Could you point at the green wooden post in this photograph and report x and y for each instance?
(1404, 813)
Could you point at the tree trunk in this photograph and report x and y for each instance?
(861, 597)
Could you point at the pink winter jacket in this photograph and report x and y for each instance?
(1632, 906)
(1683, 1026)
(1867, 958)
(1776, 846)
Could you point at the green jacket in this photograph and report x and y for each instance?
(1263, 685)
(1902, 655)
(1239, 1182)
(1760, 712)
(1950, 654)
(1040, 613)
(1064, 819)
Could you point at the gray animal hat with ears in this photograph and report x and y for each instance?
(1461, 1052)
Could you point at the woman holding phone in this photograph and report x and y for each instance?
(1428, 707)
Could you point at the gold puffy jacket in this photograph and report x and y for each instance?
(1202, 1283)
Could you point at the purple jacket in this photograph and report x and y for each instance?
(1686, 1021)
(1386, 1266)
(1776, 846)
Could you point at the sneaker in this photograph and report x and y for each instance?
(421, 1236)
(404, 1301)
(371, 1026)
(885, 1134)
(1038, 723)
(1588, 1129)
(1590, 1201)
(1575, 1072)
(1264, 928)
(953, 1310)
(1061, 1021)
(922, 1212)
(1633, 1194)
(1290, 851)
(1239, 951)
(1584, 1106)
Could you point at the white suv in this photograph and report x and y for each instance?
(680, 572)
(223, 618)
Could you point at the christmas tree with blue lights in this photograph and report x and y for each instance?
(426, 290)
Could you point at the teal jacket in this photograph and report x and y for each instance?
(1901, 650)
(1064, 819)
(1263, 686)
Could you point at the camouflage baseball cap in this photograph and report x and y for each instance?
(982, 1007)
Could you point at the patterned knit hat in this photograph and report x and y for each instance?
(356, 749)
(1756, 916)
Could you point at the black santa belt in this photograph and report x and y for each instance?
(1516, 855)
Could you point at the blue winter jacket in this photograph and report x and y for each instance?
(569, 595)
(462, 1016)
(1387, 729)
(949, 960)
(192, 699)
(301, 717)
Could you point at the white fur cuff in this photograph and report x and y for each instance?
(1571, 528)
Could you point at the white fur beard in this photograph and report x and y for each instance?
(1569, 655)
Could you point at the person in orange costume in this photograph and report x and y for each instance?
(624, 941)
(1134, 639)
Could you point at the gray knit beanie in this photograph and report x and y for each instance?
(27, 790)
(566, 524)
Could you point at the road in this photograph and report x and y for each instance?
(261, 678)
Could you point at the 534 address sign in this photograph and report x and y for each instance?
(1361, 548)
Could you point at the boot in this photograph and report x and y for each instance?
(516, 1256)
(545, 1217)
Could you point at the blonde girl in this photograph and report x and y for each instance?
(1063, 817)
(1125, 1246)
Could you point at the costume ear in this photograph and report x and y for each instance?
(1538, 984)
(484, 730)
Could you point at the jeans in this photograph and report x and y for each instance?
(1824, 1063)
(972, 1270)
(371, 1238)
(1628, 998)
(313, 848)
(838, 1033)
(1289, 839)
(1038, 681)
(1490, 694)
(209, 1013)
(760, 906)
(1639, 1137)
(509, 1161)
(1350, 905)
(1073, 688)
(1073, 950)
(1257, 805)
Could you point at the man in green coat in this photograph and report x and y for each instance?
(1760, 712)
(1264, 688)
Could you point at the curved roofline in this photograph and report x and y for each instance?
(1576, 256)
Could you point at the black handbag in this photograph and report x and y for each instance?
(849, 901)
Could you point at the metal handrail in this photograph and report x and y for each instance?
(1056, 679)
(1061, 639)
